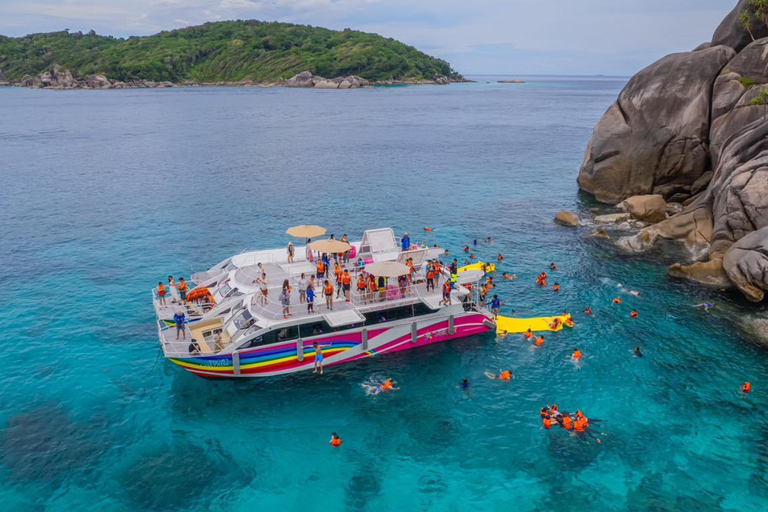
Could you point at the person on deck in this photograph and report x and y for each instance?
(346, 284)
(406, 242)
(290, 252)
(161, 293)
(328, 292)
(303, 283)
(311, 298)
(182, 289)
(180, 319)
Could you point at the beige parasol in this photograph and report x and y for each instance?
(306, 231)
(328, 245)
(388, 269)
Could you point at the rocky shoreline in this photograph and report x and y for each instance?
(59, 78)
(692, 129)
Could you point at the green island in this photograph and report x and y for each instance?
(226, 51)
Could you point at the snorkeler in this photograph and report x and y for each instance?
(503, 375)
(705, 305)
(385, 386)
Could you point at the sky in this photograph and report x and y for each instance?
(515, 37)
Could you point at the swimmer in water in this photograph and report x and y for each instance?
(499, 258)
(466, 248)
(489, 240)
(335, 439)
(576, 356)
(386, 386)
(463, 385)
(507, 276)
(539, 341)
(616, 300)
(633, 314)
(528, 334)
(552, 266)
(587, 310)
(503, 375)
(705, 305)
(637, 353)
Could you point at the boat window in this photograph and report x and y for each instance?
(287, 333)
(244, 321)
(229, 266)
(225, 289)
(421, 309)
(315, 329)
(388, 315)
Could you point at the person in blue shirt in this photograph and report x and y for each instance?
(406, 241)
(180, 320)
(495, 305)
(311, 299)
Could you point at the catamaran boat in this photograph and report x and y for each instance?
(232, 331)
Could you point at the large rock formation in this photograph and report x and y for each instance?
(307, 79)
(654, 138)
(696, 124)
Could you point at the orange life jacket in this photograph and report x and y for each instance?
(160, 290)
(546, 423)
(579, 425)
(528, 335)
(576, 355)
(337, 272)
(567, 423)
(360, 283)
(328, 290)
(336, 441)
(633, 314)
(430, 273)
(182, 286)
(320, 267)
(746, 387)
(617, 300)
(346, 278)
(539, 341)
(505, 375)
(446, 287)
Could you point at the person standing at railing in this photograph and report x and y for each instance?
(263, 287)
(346, 283)
(406, 241)
(303, 283)
(161, 293)
(290, 251)
(446, 294)
(372, 287)
(182, 289)
(309, 251)
(361, 287)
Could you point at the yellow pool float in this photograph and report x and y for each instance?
(489, 267)
(536, 324)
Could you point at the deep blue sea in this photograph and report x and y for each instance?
(105, 193)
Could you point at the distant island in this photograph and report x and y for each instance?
(220, 53)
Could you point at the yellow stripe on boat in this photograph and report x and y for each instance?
(489, 267)
(515, 325)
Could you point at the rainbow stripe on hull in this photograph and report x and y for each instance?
(283, 358)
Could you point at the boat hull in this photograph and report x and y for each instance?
(344, 347)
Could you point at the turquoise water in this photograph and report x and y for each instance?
(105, 193)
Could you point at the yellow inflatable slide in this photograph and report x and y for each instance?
(515, 325)
(489, 267)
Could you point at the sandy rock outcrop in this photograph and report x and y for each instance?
(569, 219)
(647, 208)
(746, 264)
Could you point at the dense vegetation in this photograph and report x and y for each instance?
(222, 51)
